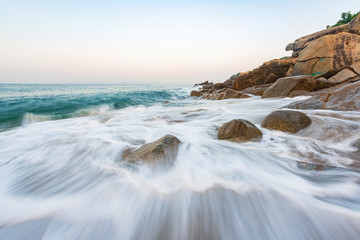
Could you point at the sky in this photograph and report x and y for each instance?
(138, 41)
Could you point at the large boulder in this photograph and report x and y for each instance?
(284, 86)
(161, 153)
(239, 130)
(267, 73)
(345, 97)
(286, 121)
(299, 44)
(328, 55)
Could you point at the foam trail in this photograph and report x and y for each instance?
(65, 179)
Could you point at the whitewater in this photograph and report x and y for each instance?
(63, 177)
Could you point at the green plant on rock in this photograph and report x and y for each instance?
(345, 18)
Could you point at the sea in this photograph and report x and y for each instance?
(62, 175)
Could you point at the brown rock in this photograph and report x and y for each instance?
(239, 130)
(256, 90)
(284, 86)
(196, 94)
(225, 94)
(299, 93)
(299, 44)
(343, 76)
(218, 86)
(269, 72)
(286, 121)
(345, 97)
(328, 55)
(161, 153)
(356, 67)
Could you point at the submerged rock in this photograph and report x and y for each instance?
(284, 86)
(314, 166)
(239, 130)
(160, 153)
(286, 121)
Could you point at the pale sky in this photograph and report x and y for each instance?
(108, 41)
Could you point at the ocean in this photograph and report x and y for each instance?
(63, 177)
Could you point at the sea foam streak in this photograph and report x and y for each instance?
(65, 179)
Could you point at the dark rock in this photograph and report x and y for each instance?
(161, 153)
(239, 130)
(218, 86)
(286, 121)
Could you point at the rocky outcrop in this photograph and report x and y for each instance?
(267, 73)
(286, 121)
(329, 58)
(284, 86)
(345, 97)
(239, 130)
(161, 153)
(299, 44)
(328, 55)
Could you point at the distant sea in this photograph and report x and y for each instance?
(21, 104)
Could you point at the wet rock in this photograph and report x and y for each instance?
(286, 121)
(196, 93)
(239, 130)
(284, 86)
(161, 153)
(313, 166)
(344, 97)
(224, 94)
(256, 90)
(343, 76)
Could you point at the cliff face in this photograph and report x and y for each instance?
(331, 56)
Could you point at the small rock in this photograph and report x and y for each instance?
(239, 130)
(161, 153)
(286, 121)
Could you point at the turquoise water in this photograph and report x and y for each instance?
(21, 104)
